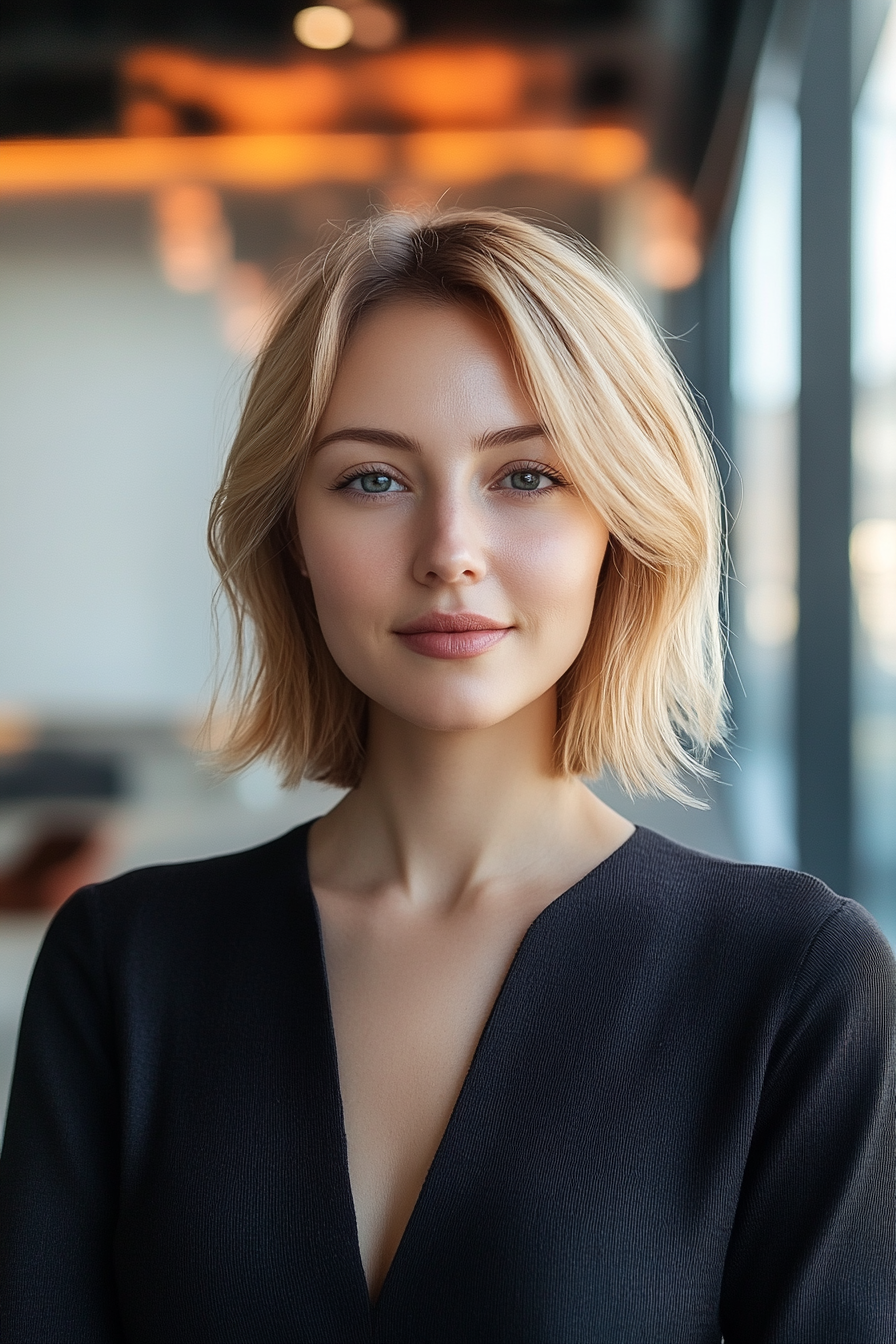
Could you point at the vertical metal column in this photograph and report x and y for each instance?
(716, 384)
(700, 320)
(823, 676)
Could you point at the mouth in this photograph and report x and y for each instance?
(461, 634)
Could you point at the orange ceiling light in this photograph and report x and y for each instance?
(435, 86)
(599, 156)
(595, 156)
(606, 155)
(194, 242)
(670, 253)
(324, 27)
(311, 95)
(376, 26)
(247, 162)
(449, 86)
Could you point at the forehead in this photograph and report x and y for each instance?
(420, 360)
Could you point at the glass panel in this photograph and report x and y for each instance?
(765, 386)
(873, 542)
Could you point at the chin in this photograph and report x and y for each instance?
(451, 713)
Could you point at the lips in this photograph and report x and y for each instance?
(460, 634)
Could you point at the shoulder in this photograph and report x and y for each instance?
(711, 883)
(214, 874)
(749, 919)
(176, 904)
(706, 888)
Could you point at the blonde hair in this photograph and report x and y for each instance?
(645, 696)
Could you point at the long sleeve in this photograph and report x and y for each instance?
(58, 1172)
(678, 1122)
(813, 1255)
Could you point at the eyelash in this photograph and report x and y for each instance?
(557, 481)
(509, 469)
(366, 469)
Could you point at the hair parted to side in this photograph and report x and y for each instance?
(645, 697)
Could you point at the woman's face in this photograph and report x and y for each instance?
(453, 566)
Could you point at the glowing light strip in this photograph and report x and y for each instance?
(597, 155)
(259, 162)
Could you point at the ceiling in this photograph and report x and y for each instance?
(682, 68)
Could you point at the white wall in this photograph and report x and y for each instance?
(115, 397)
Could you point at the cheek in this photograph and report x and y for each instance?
(350, 569)
(553, 570)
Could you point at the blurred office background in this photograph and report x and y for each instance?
(163, 169)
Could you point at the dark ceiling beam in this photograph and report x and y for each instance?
(719, 171)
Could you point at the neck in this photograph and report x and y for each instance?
(440, 812)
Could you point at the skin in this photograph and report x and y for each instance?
(428, 874)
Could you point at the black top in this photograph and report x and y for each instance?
(678, 1123)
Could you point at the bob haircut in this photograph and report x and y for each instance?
(645, 696)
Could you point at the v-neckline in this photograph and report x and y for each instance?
(479, 1050)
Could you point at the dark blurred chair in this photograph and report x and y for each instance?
(51, 867)
(66, 848)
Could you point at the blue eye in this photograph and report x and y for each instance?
(530, 480)
(374, 483)
(526, 480)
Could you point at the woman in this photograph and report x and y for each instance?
(469, 1058)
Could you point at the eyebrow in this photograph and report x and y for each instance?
(504, 438)
(387, 438)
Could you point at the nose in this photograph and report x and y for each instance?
(451, 543)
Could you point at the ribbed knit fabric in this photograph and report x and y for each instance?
(678, 1124)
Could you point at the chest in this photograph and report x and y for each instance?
(409, 1002)
(572, 1163)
